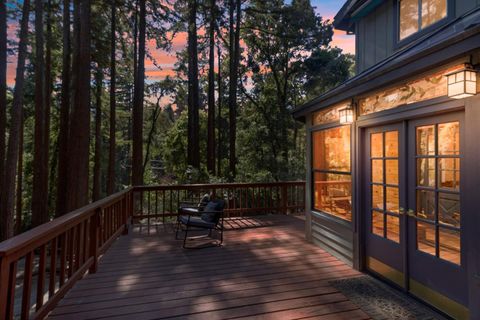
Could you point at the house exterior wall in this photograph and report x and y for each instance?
(345, 239)
(374, 36)
(407, 92)
(463, 6)
(376, 33)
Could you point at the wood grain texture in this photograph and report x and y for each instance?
(264, 270)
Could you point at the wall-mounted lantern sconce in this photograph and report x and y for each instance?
(462, 83)
(346, 115)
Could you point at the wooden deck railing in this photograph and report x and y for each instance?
(160, 202)
(38, 267)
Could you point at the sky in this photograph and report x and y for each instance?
(326, 8)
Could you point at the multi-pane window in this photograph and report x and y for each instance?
(416, 15)
(384, 184)
(438, 190)
(332, 172)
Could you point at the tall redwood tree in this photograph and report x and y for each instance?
(7, 203)
(211, 92)
(113, 106)
(137, 123)
(78, 164)
(234, 53)
(193, 88)
(40, 156)
(64, 114)
(3, 86)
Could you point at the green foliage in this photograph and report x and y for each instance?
(175, 151)
(286, 60)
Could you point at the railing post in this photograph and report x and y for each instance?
(94, 228)
(125, 214)
(284, 198)
(132, 203)
(4, 270)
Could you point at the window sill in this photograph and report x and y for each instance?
(331, 218)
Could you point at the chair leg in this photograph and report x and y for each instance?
(221, 235)
(185, 238)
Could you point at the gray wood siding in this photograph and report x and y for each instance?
(463, 6)
(375, 36)
(333, 237)
(375, 33)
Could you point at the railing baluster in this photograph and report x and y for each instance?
(8, 276)
(12, 286)
(163, 204)
(27, 286)
(71, 242)
(63, 258)
(78, 245)
(94, 236)
(85, 241)
(81, 242)
(41, 277)
(53, 267)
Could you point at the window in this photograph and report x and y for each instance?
(416, 15)
(438, 190)
(331, 172)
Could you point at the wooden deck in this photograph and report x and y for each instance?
(264, 270)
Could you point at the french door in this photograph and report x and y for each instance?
(385, 200)
(413, 208)
(436, 257)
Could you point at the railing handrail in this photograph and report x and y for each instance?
(217, 185)
(49, 230)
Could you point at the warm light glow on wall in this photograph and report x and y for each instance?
(462, 83)
(346, 115)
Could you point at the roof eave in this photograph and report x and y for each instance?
(451, 49)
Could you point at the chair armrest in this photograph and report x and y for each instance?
(187, 204)
(190, 211)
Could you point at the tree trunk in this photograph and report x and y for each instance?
(40, 162)
(48, 103)
(113, 79)
(211, 93)
(234, 52)
(77, 184)
(64, 115)
(193, 88)
(135, 41)
(8, 192)
(219, 124)
(96, 192)
(151, 133)
(137, 127)
(19, 199)
(3, 87)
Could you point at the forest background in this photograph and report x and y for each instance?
(99, 95)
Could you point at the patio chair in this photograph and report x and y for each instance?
(210, 218)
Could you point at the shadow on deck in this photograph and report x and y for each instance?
(264, 270)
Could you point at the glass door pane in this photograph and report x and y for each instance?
(384, 186)
(438, 190)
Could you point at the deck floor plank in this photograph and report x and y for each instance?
(263, 272)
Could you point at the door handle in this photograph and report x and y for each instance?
(411, 213)
(401, 211)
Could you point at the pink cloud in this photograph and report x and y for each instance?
(344, 41)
